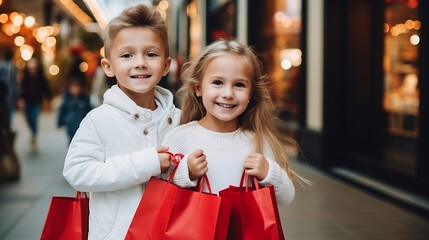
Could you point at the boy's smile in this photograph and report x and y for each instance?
(138, 61)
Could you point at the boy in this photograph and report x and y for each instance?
(113, 153)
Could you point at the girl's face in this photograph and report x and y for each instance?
(225, 90)
(137, 60)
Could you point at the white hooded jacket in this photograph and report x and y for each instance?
(113, 155)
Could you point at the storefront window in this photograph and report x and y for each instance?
(195, 28)
(401, 83)
(275, 33)
(221, 19)
(287, 56)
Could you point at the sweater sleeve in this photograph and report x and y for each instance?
(87, 169)
(176, 141)
(283, 185)
(181, 178)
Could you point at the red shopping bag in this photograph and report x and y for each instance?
(167, 211)
(198, 216)
(67, 218)
(254, 212)
(151, 217)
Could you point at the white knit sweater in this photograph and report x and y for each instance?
(226, 153)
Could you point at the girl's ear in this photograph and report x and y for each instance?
(197, 91)
(107, 67)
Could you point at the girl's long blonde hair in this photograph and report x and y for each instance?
(260, 115)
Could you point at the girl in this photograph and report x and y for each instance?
(227, 117)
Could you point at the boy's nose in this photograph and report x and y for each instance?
(140, 62)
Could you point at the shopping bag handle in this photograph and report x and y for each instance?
(205, 180)
(245, 178)
(80, 195)
(175, 158)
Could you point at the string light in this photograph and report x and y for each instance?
(77, 13)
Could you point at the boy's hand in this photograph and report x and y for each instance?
(164, 158)
(197, 164)
(256, 165)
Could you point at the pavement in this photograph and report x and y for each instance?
(329, 210)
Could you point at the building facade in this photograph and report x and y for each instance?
(372, 90)
(349, 78)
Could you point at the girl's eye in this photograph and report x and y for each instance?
(126, 55)
(217, 82)
(240, 85)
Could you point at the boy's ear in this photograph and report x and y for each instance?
(166, 66)
(107, 67)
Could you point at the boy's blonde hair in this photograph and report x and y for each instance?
(260, 113)
(136, 16)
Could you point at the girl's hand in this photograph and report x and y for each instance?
(197, 164)
(164, 158)
(256, 165)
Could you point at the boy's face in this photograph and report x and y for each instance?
(137, 60)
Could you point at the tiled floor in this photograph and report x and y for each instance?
(329, 210)
(334, 210)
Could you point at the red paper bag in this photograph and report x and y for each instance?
(153, 213)
(167, 211)
(67, 218)
(198, 215)
(154, 210)
(254, 212)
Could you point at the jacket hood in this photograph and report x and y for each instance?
(115, 97)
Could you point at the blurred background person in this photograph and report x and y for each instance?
(8, 82)
(34, 89)
(9, 164)
(76, 104)
(100, 83)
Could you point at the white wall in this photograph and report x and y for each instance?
(314, 72)
(242, 21)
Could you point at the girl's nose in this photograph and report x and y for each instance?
(227, 92)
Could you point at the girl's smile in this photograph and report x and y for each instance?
(226, 105)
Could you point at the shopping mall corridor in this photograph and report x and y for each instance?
(329, 210)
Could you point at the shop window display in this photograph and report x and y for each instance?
(401, 82)
(276, 34)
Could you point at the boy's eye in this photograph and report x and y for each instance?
(152, 54)
(126, 55)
